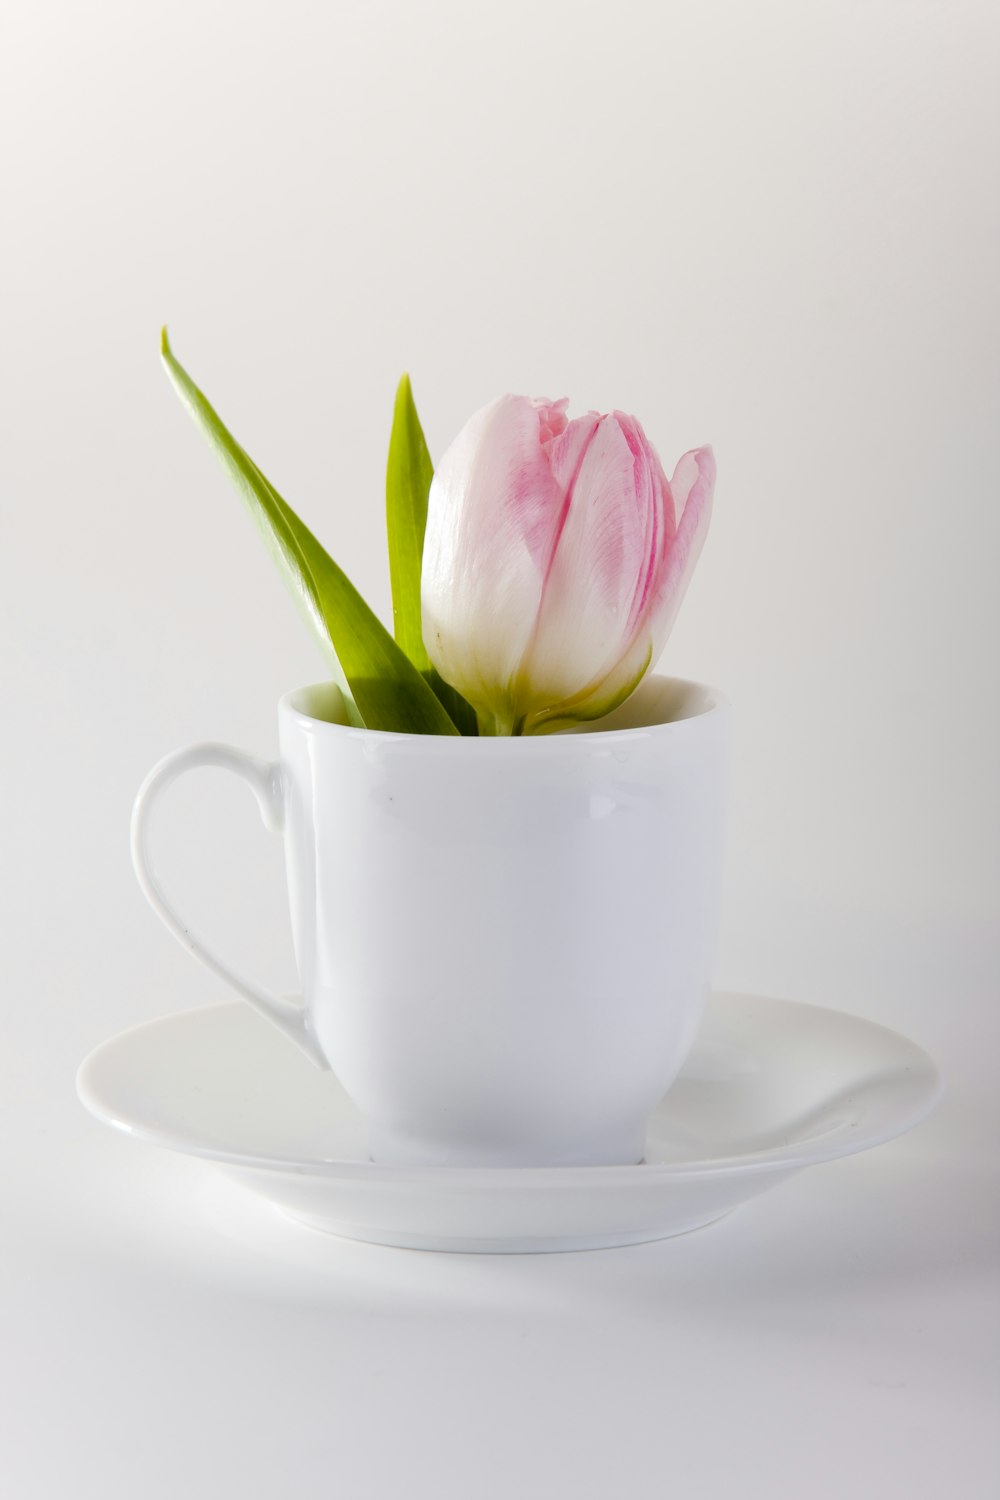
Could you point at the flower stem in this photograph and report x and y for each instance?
(496, 725)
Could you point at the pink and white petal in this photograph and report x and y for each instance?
(552, 417)
(584, 616)
(566, 453)
(652, 489)
(492, 511)
(602, 694)
(693, 489)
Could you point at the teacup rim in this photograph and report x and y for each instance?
(715, 703)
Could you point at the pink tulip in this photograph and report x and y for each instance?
(555, 559)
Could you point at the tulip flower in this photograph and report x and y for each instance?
(555, 559)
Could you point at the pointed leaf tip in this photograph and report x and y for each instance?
(381, 685)
(164, 341)
(407, 483)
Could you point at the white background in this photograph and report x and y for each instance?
(772, 226)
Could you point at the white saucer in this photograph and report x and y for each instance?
(770, 1087)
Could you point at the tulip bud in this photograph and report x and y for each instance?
(555, 559)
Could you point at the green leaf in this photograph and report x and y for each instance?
(387, 690)
(407, 485)
(459, 710)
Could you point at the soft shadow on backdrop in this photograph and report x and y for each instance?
(770, 226)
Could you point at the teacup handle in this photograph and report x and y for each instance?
(265, 781)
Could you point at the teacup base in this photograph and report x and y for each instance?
(396, 1148)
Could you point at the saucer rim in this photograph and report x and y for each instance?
(844, 1140)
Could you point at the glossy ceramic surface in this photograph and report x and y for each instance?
(504, 945)
(769, 1088)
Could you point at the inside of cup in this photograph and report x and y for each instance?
(320, 700)
(657, 700)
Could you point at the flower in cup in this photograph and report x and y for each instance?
(555, 558)
(535, 576)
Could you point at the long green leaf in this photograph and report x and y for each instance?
(408, 478)
(407, 484)
(388, 691)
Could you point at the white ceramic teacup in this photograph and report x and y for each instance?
(504, 945)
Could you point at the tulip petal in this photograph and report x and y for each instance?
(555, 559)
(693, 489)
(608, 556)
(566, 454)
(493, 512)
